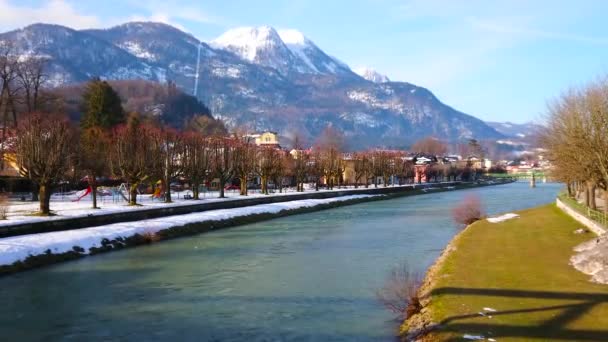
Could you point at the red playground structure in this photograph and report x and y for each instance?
(82, 193)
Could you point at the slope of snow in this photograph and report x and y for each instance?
(248, 41)
(298, 44)
(137, 50)
(13, 249)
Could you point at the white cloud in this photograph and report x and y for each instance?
(51, 12)
(172, 11)
(156, 17)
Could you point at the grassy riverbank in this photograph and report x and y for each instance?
(520, 268)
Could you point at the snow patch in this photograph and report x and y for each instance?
(591, 259)
(502, 218)
(136, 49)
(248, 41)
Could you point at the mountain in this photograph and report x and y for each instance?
(76, 55)
(257, 78)
(371, 75)
(514, 130)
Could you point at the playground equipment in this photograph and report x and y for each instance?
(156, 193)
(82, 193)
(119, 193)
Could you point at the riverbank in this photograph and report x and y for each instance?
(70, 215)
(23, 252)
(512, 280)
(74, 218)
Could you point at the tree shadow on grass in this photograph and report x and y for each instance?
(575, 306)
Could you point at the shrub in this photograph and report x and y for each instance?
(468, 211)
(400, 291)
(150, 237)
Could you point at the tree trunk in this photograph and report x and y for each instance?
(606, 201)
(592, 202)
(45, 199)
(222, 181)
(35, 190)
(195, 186)
(586, 194)
(167, 185)
(133, 194)
(243, 181)
(264, 185)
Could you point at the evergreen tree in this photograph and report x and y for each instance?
(102, 106)
(102, 111)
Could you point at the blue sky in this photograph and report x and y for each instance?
(497, 60)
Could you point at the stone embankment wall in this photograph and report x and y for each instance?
(587, 222)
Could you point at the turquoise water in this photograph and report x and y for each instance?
(309, 277)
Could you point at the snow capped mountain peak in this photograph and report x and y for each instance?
(285, 50)
(371, 75)
(247, 42)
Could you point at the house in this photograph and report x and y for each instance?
(268, 139)
(422, 163)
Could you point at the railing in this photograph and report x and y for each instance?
(595, 215)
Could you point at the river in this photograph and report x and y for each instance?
(309, 277)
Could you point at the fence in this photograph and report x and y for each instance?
(594, 215)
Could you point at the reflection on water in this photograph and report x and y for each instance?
(308, 277)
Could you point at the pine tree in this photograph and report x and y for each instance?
(102, 111)
(102, 106)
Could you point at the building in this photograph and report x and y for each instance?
(268, 139)
(422, 163)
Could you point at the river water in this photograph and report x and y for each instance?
(309, 277)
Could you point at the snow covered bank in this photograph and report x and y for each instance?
(19, 248)
(592, 259)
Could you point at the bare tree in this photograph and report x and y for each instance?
(468, 211)
(31, 78)
(222, 160)
(167, 147)
(329, 145)
(93, 156)
(43, 151)
(400, 291)
(195, 160)
(279, 169)
(316, 166)
(266, 164)
(8, 87)
(132, 154)
(430, 145)
(362, 166)
(244, 161)
(301, 159)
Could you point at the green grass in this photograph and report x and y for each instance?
(520, 268)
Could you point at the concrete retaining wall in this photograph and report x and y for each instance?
(587, 222)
